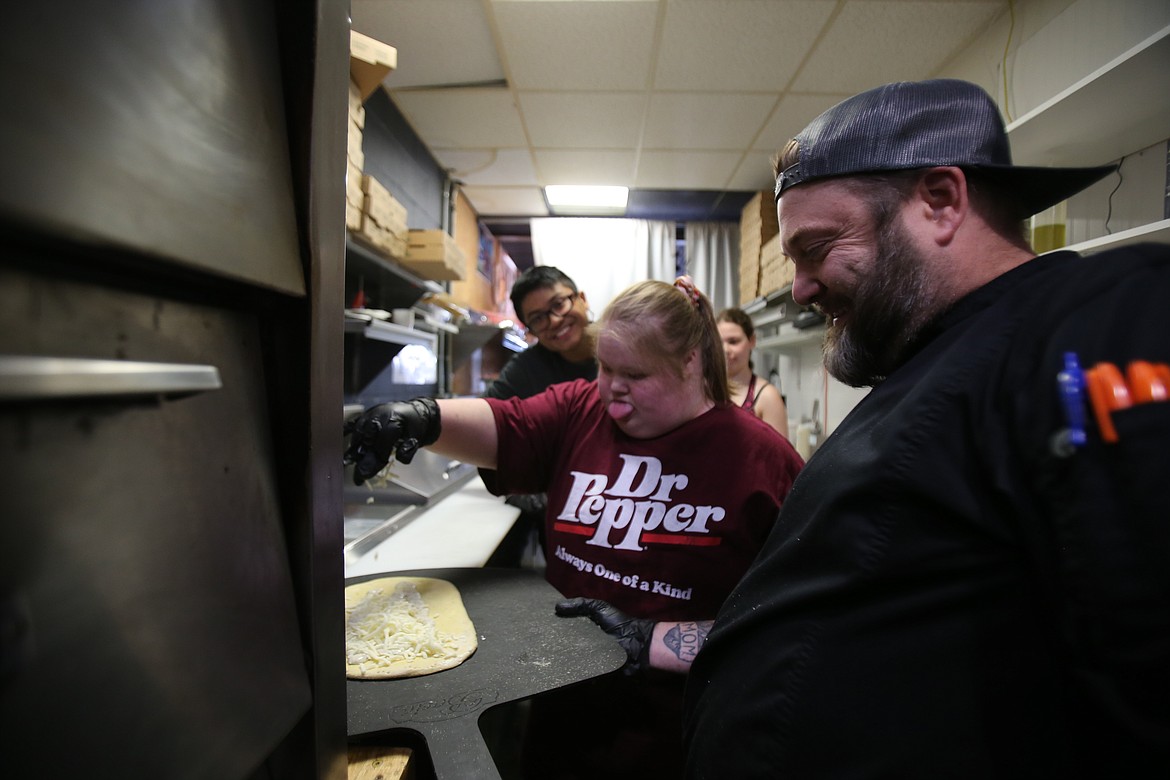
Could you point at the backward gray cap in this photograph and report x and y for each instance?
(922, 124)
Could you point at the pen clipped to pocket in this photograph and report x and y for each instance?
(1108, 390)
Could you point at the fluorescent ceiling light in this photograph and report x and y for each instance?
(586, 199)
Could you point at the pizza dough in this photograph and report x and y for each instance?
(405, 627)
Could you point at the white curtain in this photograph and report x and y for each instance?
(605, 256)
(712, 253)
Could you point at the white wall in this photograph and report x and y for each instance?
(803, 380)
(1053, 44)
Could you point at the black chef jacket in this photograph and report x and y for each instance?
(945, 597)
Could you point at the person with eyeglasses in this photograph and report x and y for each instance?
(661, 492)
(556, 313)
(548, 303)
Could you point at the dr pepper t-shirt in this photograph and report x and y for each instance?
(661, 528)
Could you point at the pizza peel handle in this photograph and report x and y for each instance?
(458, 752)
(524, 650)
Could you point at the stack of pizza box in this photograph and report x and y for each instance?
(433, 254)
(354, 160)
(383, 219)
(776, 269)
(372, 214)
(757, 226)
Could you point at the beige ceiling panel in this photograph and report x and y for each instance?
(873, 42)
(474, 118)
(422, 30)
(686, 170)
(488, 166)
(790, 117)
(736, 44)
(705, 120)
(583, 120)
(585, 166)
(507, 201)
(667, 94)
(754, 173)
(601, 46)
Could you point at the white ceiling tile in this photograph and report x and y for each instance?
(435, 26)
(705, 120)
(665, 94)
(510, 201)
(589, 45)
(579, 120)
(869, 43)
(754, 173)
(790, 117)
(586, 166)
(461, 162)
(736, 44)
(463, 117)
(686, 170)
(488, 166)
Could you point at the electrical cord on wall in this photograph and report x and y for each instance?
(1003, 67)
(1109, 213)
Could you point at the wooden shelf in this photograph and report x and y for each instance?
(1120, 108)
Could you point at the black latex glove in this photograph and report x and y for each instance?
(396, 429)
(633, 634)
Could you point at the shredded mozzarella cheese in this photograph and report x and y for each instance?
(383, 477)
(384, 628)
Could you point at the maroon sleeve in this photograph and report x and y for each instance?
(530, 432)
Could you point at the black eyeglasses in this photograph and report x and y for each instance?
(558, 306)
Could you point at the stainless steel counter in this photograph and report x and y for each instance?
(460, 530)
(374, 512)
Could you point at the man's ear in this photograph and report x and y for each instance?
(942, 200)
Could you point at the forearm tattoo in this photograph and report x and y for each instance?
(685, 639)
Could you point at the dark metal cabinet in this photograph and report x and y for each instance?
(171, 279)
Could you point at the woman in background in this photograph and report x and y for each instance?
(752, 392)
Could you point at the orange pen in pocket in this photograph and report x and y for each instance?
(1107, 393)
(1148, 381)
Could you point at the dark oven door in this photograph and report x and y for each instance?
(147, 599)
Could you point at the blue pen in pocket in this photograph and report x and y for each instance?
(1070, 384)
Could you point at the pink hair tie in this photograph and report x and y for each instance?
(687, 285)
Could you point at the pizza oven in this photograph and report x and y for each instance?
(170, 278)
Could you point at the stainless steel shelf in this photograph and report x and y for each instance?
(386, 282)
(380, 330)
(792, 340)
(770, 300)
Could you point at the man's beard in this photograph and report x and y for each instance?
(886, 311)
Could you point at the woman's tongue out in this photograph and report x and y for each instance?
(620, 410)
